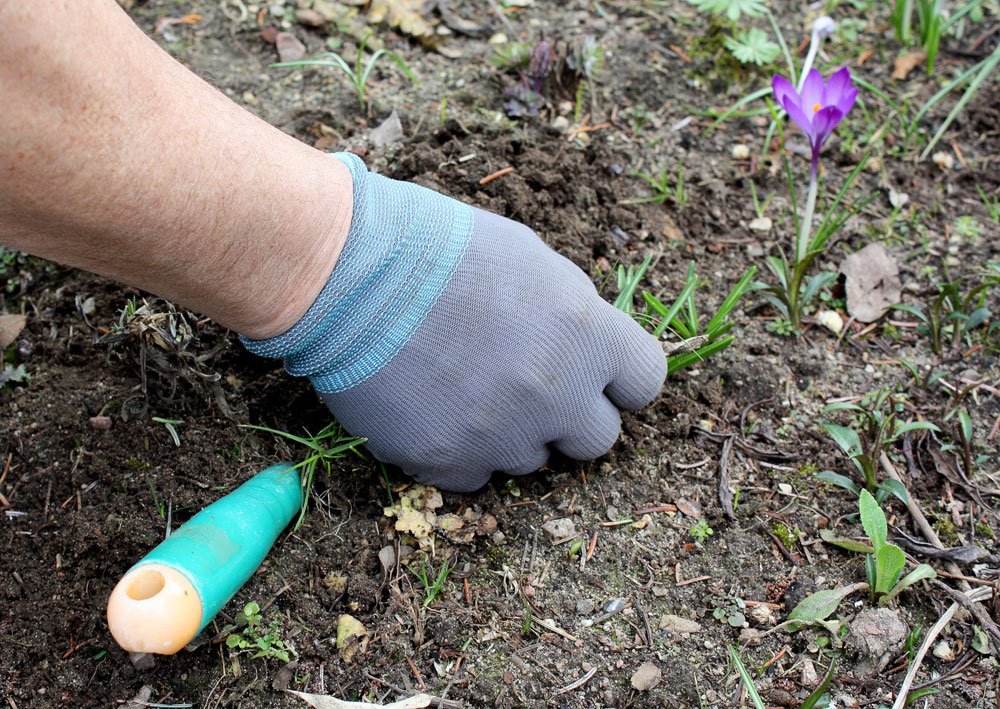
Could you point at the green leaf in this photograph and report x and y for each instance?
(889, 563)
(919, 314)
(822, 604)
(817, 282)
(980, 643)
(831, 537)
(737, 292)
(842, 406)
(733, 9)
(892, 487)
(919, 694)
(873, 520)
(747, 679)
(234, 640)
(845, 437)
(902, 428)
(752, 46)
(920, 573)
(828, 476)
(966, 423)
(817, 694)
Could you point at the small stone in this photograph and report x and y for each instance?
(559, 529)
(89, 306)
(874, 165)
(679, 625)
(750, 636)
(763, 224)
(785, 488)
(310, 18)
(561, 124)
(100, 423)
(499, 38)
(646, 677)
(290, 49)
(810, 678)
(661, 591)
(585, 606)
(831, 320)
(614, 605)
(388, 132)
(740, 152)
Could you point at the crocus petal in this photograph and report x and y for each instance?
(812, 91)
(837, 86)
(784, 91)
(846, 101)
(801, 119)
(825, 120)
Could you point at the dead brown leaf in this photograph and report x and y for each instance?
(906, 63)
(10, 328)
(872, 283)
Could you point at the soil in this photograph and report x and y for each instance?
(522, 621)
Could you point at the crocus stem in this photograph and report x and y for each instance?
(807, 217)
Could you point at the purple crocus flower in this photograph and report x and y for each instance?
(820, 107)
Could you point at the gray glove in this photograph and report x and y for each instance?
(459, 344)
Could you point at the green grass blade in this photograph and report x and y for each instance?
(737, 292)
(747, 679)
(985, 72)
(728, 113)
(818, 693)
(784, 47)
(667, 315)
(679, 362)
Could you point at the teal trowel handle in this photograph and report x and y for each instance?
(213, 555)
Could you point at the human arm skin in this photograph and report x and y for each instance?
(116, 159)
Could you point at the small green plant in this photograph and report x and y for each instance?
(360, 73)
(951, 316)
(753, 46)
(931, 23)
(326, 446)
(682, 317)
(885, 564)
(171, 426)
(878, 426)
(263, 641)
(781, 326)
(749, 45)
(700, 531)
(433, 585)
(966, 227)
(663, 188)
(810, 702)
(161, 506)
(992, 204)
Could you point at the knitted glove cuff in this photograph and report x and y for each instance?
(402, 250)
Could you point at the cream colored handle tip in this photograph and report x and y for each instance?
(155, 609)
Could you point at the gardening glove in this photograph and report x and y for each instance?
(459, 344)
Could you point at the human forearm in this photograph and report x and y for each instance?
(116, 159)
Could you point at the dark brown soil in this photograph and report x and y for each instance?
(83, 504)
